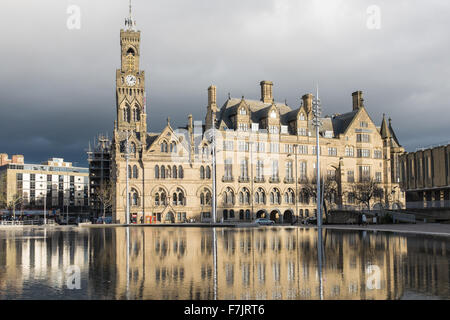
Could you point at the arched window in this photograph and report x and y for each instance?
(205, 197)
(229, 196)
(275, 197)
(163, 172)
(164, 147)
(180, 172)
(244, 196)
(178, 198)
(130, 172)
(202, 172)
(127, 114)
(160, 197)
(135, 172)
(174, 172)
(302, 116)
(156, 172)
(134, 197)
(260, 196)
(208, 172)
(174, 199)
(133, 148)
(289, 196)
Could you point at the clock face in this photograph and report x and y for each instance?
(131, 80)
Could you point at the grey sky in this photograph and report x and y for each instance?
(57, 85)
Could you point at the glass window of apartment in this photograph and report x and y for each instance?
(244, 146)
(302, 132)
(378, 177)
(243, 127)
(363, 124)
(351, 176)
(362, 137)
(228, 167)
(273, 129)
(377, 154)
(363, 153)
(32, 177)
(364, 173)
(289, 170)
(228, 145)
(349, 151)
(260, 147)
(260, 169)
(274, 147)
(19, 176)
(288, 148)
(274, 169)
(332, 151)
(303, 174)
(331, 174)
(302, 149)
(244, 168)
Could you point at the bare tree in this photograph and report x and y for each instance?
(3, 202)
(329, 190)
(12, 205)
(365, 191)
(104, 193)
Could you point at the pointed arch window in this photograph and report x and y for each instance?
(134, 197)
(174, 172)
(180, 172)
(135, 172)
(208, 172)
(163, 172)
(156, 172)
(202, 172)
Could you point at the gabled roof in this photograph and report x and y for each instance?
(258, 110)
(341, 122)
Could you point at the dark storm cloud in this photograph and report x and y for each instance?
(57, 85)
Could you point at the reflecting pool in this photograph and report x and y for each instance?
(202, 263)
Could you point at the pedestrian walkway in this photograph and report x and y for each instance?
(435, 229)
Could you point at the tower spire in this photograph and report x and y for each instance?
(129, 22)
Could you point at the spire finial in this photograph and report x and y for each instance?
(129, 22)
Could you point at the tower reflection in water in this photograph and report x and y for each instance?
(195, 263)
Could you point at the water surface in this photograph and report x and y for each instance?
(202, 263)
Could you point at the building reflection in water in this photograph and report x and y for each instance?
(195, 263)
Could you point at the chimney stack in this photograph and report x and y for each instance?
(17, 159)
(358, 101)
(212, 95)
(266, 91)
(307, 102)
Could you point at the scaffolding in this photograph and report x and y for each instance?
(99, 158)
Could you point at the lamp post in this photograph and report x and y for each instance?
(317, 123)
(45, 209)
(213, 144)
(296, 182)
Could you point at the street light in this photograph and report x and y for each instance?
(317, 123)
(296, 182)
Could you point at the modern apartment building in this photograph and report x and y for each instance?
(55, 183)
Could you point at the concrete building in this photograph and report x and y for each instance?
(265, 155)
(426, 177)
(56, 180)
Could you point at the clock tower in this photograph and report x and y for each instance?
(130, 84)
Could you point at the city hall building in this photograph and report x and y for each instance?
(265, 155)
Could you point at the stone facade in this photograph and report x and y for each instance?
(265, 155)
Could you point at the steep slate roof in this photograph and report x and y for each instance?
(393, 134)
(341, 122)
(258, 110)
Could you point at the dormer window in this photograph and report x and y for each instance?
(242, 111)
(273, 114)
(302, 117)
